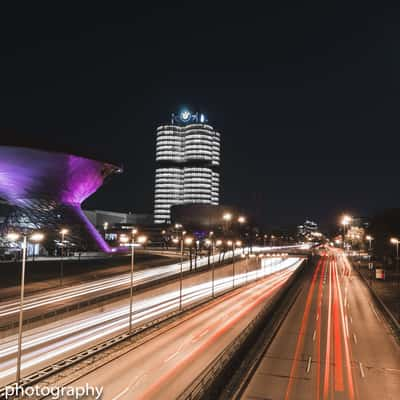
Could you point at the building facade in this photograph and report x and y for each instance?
(188, 159)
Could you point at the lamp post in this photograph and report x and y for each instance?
(124, 240)
(345, 221)
(36, 237)
(188, 241)
(396, 241)
(63, 232)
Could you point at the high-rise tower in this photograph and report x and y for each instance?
(187, 157)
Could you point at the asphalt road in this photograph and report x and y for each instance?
(53, 299)
(55, 341)
(333, 344)
(163, 367)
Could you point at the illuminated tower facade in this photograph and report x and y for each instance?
(188, 158)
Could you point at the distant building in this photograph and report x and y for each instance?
(308, 230)
(188, 158)
(102, 219)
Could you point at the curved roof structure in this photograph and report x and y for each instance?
(27, 174)
(47, 189)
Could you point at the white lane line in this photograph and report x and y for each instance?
(317, 318)
(362, 370)
(355, 338)
(351, 319)
(308, 365)
(313, 336)
(376, 314)
(346, 326)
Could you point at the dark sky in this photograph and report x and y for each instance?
(306, 96)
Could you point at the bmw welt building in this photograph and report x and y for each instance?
(187, 158)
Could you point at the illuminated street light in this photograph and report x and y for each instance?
(63, 232)
(218, 242)
(142, 239)
(188, 241)
(35, 237)
(227, 217)
(241, 219)
(124, 239)
(13, 237)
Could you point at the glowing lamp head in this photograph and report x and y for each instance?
(227, 217)
(13, 237)
(188, 241)
(241, 219)
(238, 243)
(175, 240)
(218, 242)
(142, 239)
(229, 243)
(369, 237)
(64, 231)
(394, 240)
(123, 239)
(207, 242)
(37, 237)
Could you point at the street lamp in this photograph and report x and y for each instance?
(227, 217)
(396, 241)
(346, 219)
(36, 237)
(241, 219)
(124, 240)
(63, 232)
(188, 241)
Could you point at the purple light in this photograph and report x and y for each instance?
(93, 231)
(29, 177)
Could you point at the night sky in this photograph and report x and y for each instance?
(306, 97)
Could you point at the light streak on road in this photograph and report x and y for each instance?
(56, 341)
(112, 284)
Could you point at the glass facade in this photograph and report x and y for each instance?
(187, 157)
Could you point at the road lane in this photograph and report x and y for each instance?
(332, 345)
(164, 366)
(36, 304)
(58, 340)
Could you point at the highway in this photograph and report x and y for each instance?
(57, 340)
(40, 303)
(333, 344)
(164, 366)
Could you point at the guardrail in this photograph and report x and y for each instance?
(199, 387)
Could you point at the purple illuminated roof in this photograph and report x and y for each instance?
(36, 174)
(32, 178)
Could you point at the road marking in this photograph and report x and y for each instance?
(362, 370)
(355, 338)
(351, 319)
(317, 317)
(376, 314)
(313, 336)
(308, 365)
